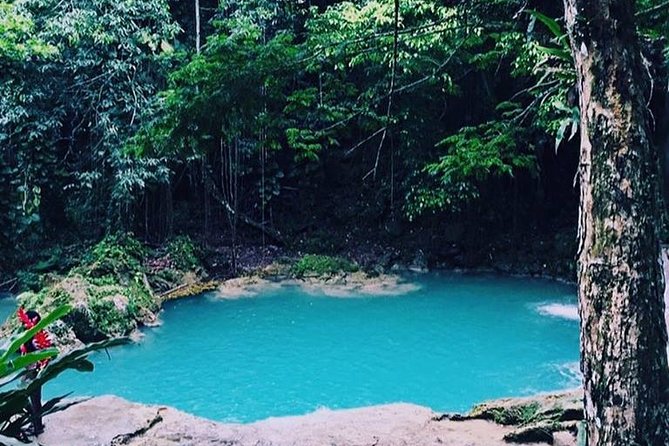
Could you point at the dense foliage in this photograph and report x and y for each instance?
(310, 123)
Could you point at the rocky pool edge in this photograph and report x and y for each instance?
(109, 420)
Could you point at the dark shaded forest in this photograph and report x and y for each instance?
(446, 130)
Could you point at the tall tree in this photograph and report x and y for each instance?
(623, 335)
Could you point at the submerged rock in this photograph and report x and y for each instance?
(351, 285)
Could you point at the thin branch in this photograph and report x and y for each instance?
(352, 149)
(234, 214)
(392, 88)
(434, 72)
(371, 39)
(532, 88)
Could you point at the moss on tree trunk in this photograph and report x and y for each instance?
(623, 335)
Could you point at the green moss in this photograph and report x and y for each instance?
(102, 281)
(45, 300)
(516, 415)
(30, 299)
(108, 318)
(130, 302)
(321, 265)
(105, 308)
(56, 297)
(140, 299)
(109, 288)
(118, 255)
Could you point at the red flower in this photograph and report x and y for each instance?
(41, 339)
(23, 317)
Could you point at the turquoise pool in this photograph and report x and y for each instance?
(457, 340)
(7, 305)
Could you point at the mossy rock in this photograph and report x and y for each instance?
(513, 415)
(79, 321)
(118, 256)
(110, 316)
(102, 308)
(560, 407)
(540, 432)
(109, 290)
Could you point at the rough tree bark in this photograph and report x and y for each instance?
(623, 335)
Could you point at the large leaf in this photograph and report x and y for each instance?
(550, 23)
(26, 360)
(16, 342)
(13, 402)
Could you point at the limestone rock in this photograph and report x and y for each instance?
(564, 406)
(112, 421)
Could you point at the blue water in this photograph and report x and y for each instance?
(8, 305)
(458, 340)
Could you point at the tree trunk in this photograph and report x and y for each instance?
(623, 335)
(197, 26)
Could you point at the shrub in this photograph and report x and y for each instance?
(140, 299)
(521, 415)
(321, 265)
(184, 253)
(29, 280)
(108, 318)
(119, 255)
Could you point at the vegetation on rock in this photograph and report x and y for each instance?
(322, 265)
(111, 289)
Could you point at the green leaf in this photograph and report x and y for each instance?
(24, 337)
(560, 53)
(559, 136)
(550, 23)
(26, 360)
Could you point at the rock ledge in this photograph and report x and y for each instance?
(113, 421)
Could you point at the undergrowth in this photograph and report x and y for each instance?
(321, 265)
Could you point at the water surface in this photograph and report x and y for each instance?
(458, 340)
(8, 305)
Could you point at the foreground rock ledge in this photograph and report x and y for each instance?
(111, 421)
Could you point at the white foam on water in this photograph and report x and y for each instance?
(571, 371)
(565, 311)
